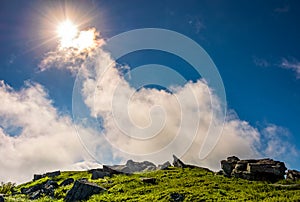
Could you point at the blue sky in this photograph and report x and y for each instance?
(254, 44)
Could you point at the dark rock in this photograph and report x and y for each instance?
(1, 199)
(37, 177)
(49, 174)
(176, 197)
(293, 175)
(82, 190)
(36, 191)
(178, 163)
(229, 164)
(164, 166)
(67, 182)
(35, 195)
(254, 169)
(96, 174)
(149, 180)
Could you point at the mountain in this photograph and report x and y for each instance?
(143, 181)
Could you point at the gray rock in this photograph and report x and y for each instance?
(1, 198)
(67, 182)
(82, 190)
(49, 174)
(164, 166)
(178, 163)
(293, 175)
(130, 167)
(35, 195)
(96, 174)
(176, 197)
(254, 169)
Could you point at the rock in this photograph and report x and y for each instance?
(254, 169)
(82, 190)
(178, 163)
(229, 165)
(148, 180)
(35, 195)
(96, 174)
(111, 170)
(36, 191)
(49, 174)
(67, 182)
(293, 175)
(37, 177)
(133, 167)
(176, 197)
(1, 199)
(164, 166)
(130, 167)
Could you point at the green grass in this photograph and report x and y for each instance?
(194, 184)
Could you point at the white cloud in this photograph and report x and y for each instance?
(292, 64)
(137, 124)
(44, 140)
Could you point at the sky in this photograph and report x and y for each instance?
(68, 102)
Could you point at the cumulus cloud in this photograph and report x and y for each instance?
(140, 124)
(34, 136)
(152, 124)
(292, 64)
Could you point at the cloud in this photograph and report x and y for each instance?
(292, 64)
(261, 62)
(34, 136)
(276, 141)
(152, 124)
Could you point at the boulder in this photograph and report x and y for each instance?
(82, 190)
(67, 182)
(293, 175)
(96, 174)
(36, 191)
(254, 169)
(178, 163)
(49, 174)
(1, 198)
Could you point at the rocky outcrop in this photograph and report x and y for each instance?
(130, 167)
(49, 174)
(293, 175)
(82, 190)
(179, 164)
(254, 169)
(67, 181)
(99, 173)
(36, 191)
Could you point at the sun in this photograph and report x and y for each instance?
(71, 37)
(67, 32)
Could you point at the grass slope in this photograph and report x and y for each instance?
(194, 184)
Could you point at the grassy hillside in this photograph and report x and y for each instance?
(194, 184)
